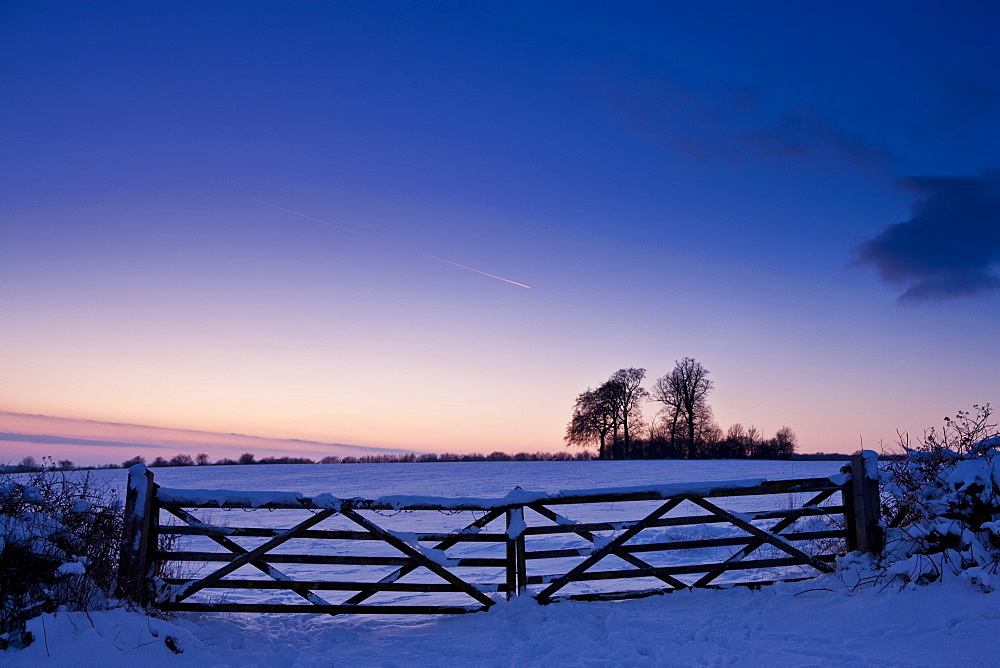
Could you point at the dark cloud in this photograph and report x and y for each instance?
(950, 246)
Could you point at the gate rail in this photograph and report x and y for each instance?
(142, 557)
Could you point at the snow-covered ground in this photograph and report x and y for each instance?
(821, 621)
(810, 623)
(483, 479)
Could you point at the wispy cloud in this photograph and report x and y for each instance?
(950, 246)
(78, 435)
(804, 133)
(735, 124)
(45, 439)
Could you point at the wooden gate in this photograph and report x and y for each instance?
(526, 543)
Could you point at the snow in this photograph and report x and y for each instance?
(472, 479)
(832, 619)
(601, 542)
(820, 622)
(971, 472)
(516, 526)
(72, 568)
(227, 498)
(256, 499)
(437, 556)
(838, 479)
(870, 458)
(137, 482)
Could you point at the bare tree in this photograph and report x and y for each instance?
(612, 411)
(735, 444)
(594, 417)
(182, 460)
(201, 459)
(710, 436)
(782, 446)
(627, 396)
(757, 445)
(684, 395)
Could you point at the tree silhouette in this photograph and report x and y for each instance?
(594, 417)
(684, 395)
(612, 410)
(129, 463)
(627, 396)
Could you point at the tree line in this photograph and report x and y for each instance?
(30, 464)
(403, 458)
(610, 417)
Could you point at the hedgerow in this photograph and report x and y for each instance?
(60, 535)
(941, 506)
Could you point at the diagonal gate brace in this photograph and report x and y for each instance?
(409, 568)
(417, 556)
(546, 594)
(259, 564)
(252, 555)
(747, 549)
(621, 554)
(767, 537)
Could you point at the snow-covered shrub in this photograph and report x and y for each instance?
(942, 504)
(59, 545)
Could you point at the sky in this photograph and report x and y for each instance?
(430, 226)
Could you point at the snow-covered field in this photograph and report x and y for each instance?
(821, 621)
(483, 479)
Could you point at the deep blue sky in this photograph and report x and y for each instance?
(671, 179)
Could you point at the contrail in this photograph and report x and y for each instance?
(388, 243)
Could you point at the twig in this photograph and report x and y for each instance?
(45, 637)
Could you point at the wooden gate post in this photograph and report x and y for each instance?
(516, 565)
(139, 536)
(863, 509)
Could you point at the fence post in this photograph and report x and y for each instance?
(139, 536)
(865, 531)
(522, 563)
(850, 517)
(515, 551)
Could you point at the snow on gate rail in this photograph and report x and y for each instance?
(426, 555)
